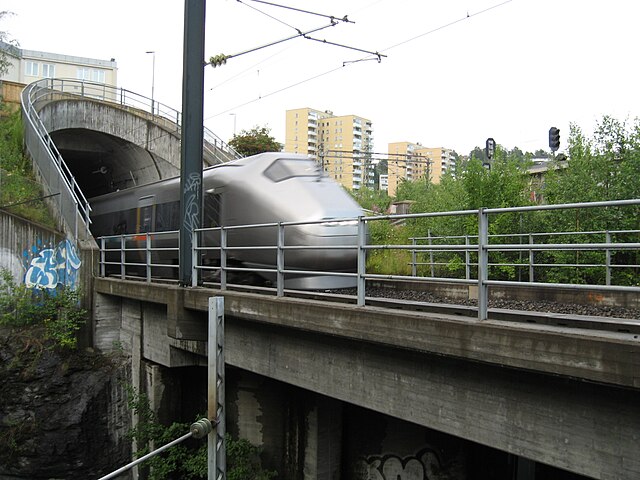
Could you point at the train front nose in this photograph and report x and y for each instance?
(331, 245)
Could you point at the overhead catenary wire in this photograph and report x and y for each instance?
(220, 59)
(270, 16)
(345, 64)
(343, 19)
(467, 16)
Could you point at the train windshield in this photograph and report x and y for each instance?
(285, 168)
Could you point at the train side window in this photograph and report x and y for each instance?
(146, 210)
(285, 168)
(167, 216)
(212, 201)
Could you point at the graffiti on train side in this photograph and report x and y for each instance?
(423, 466)
(50, 266)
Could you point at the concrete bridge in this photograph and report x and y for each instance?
(332, 390)
(558, 396)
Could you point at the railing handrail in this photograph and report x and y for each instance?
(534, 234)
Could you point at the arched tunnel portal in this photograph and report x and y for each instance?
(103, 163)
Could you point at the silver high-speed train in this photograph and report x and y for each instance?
(262, 189)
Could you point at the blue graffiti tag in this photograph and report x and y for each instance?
(51, 267)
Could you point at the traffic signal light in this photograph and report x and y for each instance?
(490, 148)
(554, 139)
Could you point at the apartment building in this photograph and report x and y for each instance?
(441, 160)
(341, 144)
(413, 161)
(27, 66)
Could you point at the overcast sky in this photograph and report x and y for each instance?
(455, 71)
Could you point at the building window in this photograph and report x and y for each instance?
(48, 70)
(31, 68)
(82, 73)
(97, 76)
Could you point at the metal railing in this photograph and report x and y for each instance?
(214, 242)
(73, 205)
(426, 247)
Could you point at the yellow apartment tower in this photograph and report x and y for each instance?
(412, 161)
(341, 144)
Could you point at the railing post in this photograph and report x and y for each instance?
(414, 258)
(147, 247)
(531, 260)
(430, 242)
(280, 261)
(223, 258)
(123, 257)
(483, 264)
(608, 257)
(102, 258)
(467, 258)
(194, 259)
(362, 261)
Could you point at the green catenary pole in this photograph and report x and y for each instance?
(192, 133)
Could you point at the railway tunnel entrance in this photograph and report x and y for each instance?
(108, 147)
(102, 163)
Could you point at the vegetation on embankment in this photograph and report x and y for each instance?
(600, 167)
(20, 193)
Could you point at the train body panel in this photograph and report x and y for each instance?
(266, 188)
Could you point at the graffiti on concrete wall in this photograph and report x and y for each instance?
(47, 267)
(425, 465)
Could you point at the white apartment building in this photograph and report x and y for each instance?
(28, 66)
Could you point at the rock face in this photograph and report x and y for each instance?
(61, 415)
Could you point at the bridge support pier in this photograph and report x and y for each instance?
(299, 433)
(323, 445)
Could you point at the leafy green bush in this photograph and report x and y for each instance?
(20, 193)
(388, 261)
(187, 460)
(57, 311)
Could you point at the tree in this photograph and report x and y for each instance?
(254, 141)
(6, 47)
(372, 199)
(540, 153)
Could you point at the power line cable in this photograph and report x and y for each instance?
(468, 16)
(332, 17)
(450, 24)
(270, 16)
(274, 92)
(247, 70)
(221, 59)
(347, 63)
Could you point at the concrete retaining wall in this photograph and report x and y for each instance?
(17, 237)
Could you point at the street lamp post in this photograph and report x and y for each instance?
(153, 81)
(234, 123)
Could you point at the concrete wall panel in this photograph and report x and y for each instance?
(585, 428)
